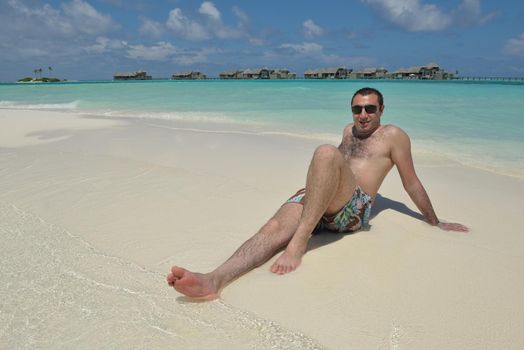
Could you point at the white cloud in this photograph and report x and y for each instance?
(208, 26)
(208, 8)
(86, 18)
(151, 28)
(242, 16)
(185, 27)
(470, 13)
(311, 30)
(415, 16)
(304, 48)
(515, 46)
(215, 24)
(75, 17)
(188, 58)
(158, 52)
(104, 44)
(44, 19)
(224, 32)
(411, 14)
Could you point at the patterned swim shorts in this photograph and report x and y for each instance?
(352, 217)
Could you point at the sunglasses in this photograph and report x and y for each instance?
(370, 109)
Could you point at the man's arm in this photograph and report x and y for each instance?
(401, 156)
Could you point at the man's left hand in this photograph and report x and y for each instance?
(450, 226)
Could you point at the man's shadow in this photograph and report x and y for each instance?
(379, 205)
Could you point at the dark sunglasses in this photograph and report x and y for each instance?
(370, 109)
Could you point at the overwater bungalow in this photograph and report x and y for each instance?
(369, 73)
(259, 73)
(232, 74)
(192, 75)
(407, 73)
(327, 73)
(137, 75)
(282, 73)
(431, 71)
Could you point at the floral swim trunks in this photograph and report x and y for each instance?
(352, 217)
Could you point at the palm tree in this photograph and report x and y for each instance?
(49, 69)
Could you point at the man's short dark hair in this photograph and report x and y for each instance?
(369, 91)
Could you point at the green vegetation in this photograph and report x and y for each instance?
(39, 80)
(37, 71)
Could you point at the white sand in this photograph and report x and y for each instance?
(152, 196)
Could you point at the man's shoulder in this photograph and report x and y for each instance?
(394, 131)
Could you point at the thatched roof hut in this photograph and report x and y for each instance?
(137, 75)
(232, 74)
(192, 75)
(327, 73)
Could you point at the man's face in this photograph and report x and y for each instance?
(366, 118)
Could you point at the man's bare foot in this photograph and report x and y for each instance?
(286, 263)
(191, 284)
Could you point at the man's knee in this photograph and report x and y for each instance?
(271, 227)
(274, 231)
(328, 152)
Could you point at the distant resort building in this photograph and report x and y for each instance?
(431, 71)
(138, 75)
(369, 73)
(282, 74)
(255, 74)
(327, 73)
(261, 73)
(193, 75)
(232, 74)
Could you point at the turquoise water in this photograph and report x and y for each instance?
(478, 124)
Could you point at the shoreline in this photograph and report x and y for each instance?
(153, 197)
(421, 148)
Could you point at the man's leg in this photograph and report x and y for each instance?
(329, 186)
(274, 235)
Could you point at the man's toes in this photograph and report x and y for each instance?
(177, 272)
(275, 267)
(170, 279)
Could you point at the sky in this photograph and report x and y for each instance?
(93, 39)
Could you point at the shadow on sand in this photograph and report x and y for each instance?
(381, 203)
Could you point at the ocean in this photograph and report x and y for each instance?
(479, 124)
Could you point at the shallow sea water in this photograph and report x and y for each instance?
(58, 292)
(478, 124)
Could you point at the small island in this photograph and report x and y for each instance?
(40, 79)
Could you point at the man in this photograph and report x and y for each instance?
(340, 187)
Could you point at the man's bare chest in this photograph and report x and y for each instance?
(370, 148)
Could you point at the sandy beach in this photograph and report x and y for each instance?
(94, 211)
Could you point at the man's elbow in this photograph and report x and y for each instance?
(412, 187)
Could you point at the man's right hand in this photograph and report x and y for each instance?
(450, 226)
